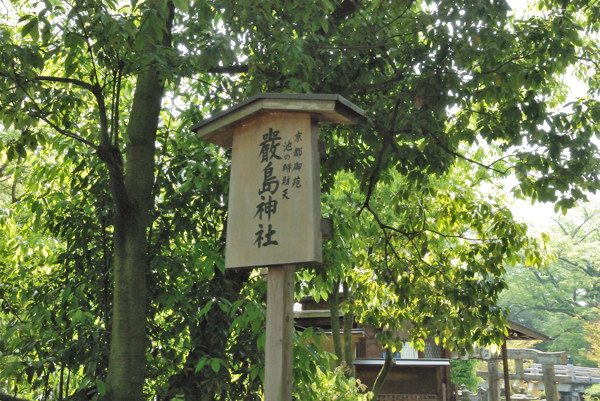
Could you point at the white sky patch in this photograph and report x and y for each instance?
(519, 7)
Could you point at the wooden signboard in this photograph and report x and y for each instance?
(274, 198)
(274, 211)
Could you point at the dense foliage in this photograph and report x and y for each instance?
(111, 255)
(463, 373)
(561, 300)
(592, 393)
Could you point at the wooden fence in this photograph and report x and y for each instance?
(564, 374)
(549, 368)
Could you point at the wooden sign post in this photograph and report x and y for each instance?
(274, 211)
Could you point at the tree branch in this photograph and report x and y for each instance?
(589, 60)
(8, 397)
(400, 16)
(94, 89)
(373, 178)
(45, 118)
(521, 56)
(588, 272)
(65, 132)
(559, 310)
(230, 69)
(13, 189)
(374, 86)
(461, 156)
(77, 82)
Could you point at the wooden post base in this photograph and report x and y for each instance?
(280, 330)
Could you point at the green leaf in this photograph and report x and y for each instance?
(201, 363)
(183, 5)
(11, 153)
(21, 151)
(324, 25)
(31, 29)
(215, 364)
(102, 387)
(70, 65)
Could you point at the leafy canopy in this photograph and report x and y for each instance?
(561, 300)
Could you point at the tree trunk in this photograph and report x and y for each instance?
(334, 311)
(132, 192)
(383, 373)
(348, 324)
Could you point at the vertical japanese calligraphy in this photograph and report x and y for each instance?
(292, 165)
(288, 167)
(270, 183)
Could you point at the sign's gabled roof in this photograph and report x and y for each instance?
(218, 129)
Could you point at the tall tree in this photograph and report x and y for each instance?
(76, 53)
(131, 184)
(421, 270)
(561, 298)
